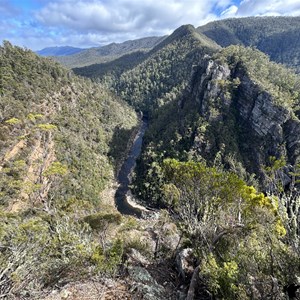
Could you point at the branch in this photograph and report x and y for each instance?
(226, 231)
(193, 284)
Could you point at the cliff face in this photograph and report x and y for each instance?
(231, 101)
(207, 88)
(271, 124)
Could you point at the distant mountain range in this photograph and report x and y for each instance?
(108, 53)
(59, 51)
(278, 37)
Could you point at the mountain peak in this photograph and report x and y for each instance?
(185, 29)
(182, 31)
(59, 51)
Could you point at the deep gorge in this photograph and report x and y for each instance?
(124, 175)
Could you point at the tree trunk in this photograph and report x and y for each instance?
(193, 284)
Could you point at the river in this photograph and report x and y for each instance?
(124, 176)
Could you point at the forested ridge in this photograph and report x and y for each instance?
(56, 133)
(219, 166)
(108, 53)
(276, 36)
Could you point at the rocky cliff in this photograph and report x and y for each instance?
(260, 126)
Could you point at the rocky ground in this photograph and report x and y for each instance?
(149, 273)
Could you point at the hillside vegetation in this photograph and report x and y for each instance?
(278, 37)
(56, 131)
(237, 111)
(158, 76)
(223, 126)
(220, 167)
(108, 53)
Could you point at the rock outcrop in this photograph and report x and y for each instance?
(228, 99)
(145, 286)
(185, 263)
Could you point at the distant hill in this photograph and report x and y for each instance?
(59, 51)
(279, 37)
(145, 80)
(113, 68)
(109, 52)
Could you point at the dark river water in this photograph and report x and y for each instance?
(125, 173)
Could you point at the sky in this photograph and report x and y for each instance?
(36, 24)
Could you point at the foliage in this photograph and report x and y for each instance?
(109, 260)
(13, 121)
(48, 114)
(100, 221)
(280, 82)
(286, 197)
(38, 251)
(56, 168)
(47, 127)
(237, 232)
(56, 131)
(275, 36)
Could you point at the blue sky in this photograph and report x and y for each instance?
(37, 24)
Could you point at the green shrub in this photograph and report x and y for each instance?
(47, 127)
(109, 260)
(101, 220)
(13, 121)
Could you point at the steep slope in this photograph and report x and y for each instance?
(59, 51)
(253, 100)
(276, 36)
(166, 70)
(45, 108)
(109, 52)
(238, 111)
(109, 71)
(56, 132)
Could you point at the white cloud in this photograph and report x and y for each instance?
(269, 7)
(87, 23)
(223, 3)
(127, 15)
(229, 12)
